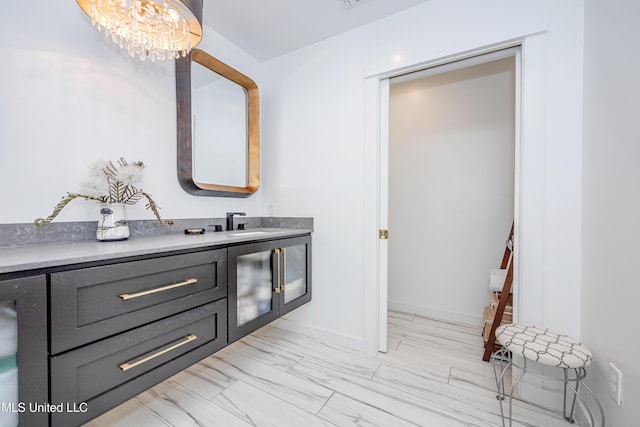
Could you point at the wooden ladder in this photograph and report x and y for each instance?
(507, 262)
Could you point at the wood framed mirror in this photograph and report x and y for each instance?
(218, 112)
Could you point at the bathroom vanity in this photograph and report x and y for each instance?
(98, 323)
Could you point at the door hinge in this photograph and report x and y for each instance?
(383, 234)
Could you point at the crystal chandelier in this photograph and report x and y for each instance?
(154, 29)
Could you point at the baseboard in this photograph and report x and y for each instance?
(435, 313)
(325, 335)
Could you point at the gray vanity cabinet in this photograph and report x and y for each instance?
(77, 340)
(23, 351)
(119, 329)
(266, 281)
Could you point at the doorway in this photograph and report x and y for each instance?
(449, 167)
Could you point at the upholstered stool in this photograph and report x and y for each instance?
(543, 346)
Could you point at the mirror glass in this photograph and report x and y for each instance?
(218, 128)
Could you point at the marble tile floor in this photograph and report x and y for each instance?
(432, 375)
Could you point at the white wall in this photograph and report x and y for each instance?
(69, 97)
(610, 291)
(320, 150)
(451, 179)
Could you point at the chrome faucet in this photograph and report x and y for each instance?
(230, 219)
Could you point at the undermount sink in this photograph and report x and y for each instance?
(247, 233)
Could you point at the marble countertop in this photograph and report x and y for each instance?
(31, 257)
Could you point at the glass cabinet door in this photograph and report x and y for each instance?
(266, 280)
(296, 270)
(8, 364)
(254, 281)
(24, 382)
(251, 271)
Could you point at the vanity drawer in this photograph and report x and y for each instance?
(93, 303)
(108, 372)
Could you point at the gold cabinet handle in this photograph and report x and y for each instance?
(284, 269)
(277, 252)
(128, 365)
(160, 289)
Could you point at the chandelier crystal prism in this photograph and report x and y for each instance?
(154, 29)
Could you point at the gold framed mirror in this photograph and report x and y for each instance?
(218, 114)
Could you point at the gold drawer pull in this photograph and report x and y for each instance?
(128, 365)
(161, 289)
(284, 269)
(277, 290)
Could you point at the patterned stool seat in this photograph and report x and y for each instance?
(543, 346)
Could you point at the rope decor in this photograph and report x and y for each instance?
(543, 346)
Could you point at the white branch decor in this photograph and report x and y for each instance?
(110, 183)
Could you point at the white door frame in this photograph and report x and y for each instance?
(383, 88)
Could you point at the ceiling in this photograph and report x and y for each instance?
(266, 29)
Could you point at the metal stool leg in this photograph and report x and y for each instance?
(567, 381)
(513, 387)
(505, 363)
(500, 355)
(581, 373)
(597, 403)
(503, 354)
